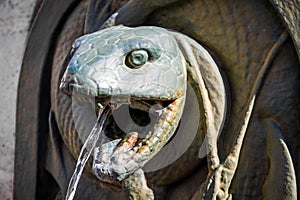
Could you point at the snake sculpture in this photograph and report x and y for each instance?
(145, 68)
(178, 109)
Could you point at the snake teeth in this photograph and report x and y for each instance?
(127, 150)
(128, 142)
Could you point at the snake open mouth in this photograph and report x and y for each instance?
(133, 133)
(135, 130)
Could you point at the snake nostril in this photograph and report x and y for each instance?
(66, 82)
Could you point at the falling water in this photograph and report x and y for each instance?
(86, 150)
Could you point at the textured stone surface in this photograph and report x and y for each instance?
(15, 16)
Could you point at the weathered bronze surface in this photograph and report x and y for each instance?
(255, 46)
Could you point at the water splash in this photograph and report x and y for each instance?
(86, 150)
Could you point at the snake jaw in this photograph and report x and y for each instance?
(122, 152)
(121, 157)
(125, 152)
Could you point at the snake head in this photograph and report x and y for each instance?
(141, 70)
(143, 62)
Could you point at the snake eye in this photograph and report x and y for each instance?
(136, 58)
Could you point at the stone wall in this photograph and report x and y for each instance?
(15, 17)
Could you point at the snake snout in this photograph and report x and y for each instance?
(67, 83)
(72, 83)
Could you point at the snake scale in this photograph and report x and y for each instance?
(237, 86)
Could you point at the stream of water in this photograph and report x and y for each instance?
(86, 150)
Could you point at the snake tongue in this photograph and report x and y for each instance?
(109, 150)
(128, 142)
